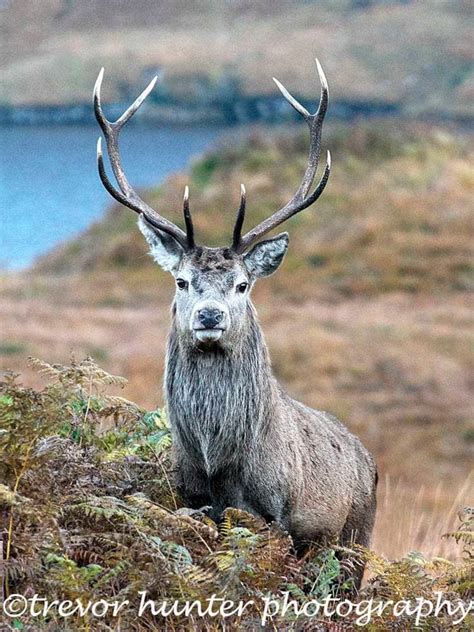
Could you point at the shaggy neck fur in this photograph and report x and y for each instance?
(219, 400)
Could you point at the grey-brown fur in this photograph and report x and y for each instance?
(239, 439)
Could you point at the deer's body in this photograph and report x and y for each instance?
(239, 439)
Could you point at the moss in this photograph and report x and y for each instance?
(203, 170)
(11, 348)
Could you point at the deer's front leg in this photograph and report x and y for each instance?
(192, 485)
(227, 491)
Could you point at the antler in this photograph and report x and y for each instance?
(240, 219)
(301, 199)
(127, 195)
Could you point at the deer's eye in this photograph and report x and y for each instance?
(242, 288)
(182, 284)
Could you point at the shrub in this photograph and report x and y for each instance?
(88, 512)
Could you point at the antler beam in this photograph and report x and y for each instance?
(301, 199)
(126, 195)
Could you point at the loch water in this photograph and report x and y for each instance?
(50, 189)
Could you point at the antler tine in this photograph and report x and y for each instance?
(127, 195)
(188, 219)
(292, 101)
(300, 200)
(239, 222)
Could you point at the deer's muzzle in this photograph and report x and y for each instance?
(209, 321)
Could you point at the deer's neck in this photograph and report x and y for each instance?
(219, 400)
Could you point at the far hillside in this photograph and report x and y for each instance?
(415, 57)
(394, 217)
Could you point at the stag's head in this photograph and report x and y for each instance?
(213, 284)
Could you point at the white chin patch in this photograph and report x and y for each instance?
(208, 335)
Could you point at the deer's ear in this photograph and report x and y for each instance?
(164, 249)
(266, 256)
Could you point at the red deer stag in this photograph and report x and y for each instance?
(239, 439)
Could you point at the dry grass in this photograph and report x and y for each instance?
(406, 398)
(387, 351)
(416, 519)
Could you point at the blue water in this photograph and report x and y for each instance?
(50, 189)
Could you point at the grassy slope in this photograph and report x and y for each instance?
(416, 54)
(367, 318)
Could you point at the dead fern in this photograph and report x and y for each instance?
(88, 511)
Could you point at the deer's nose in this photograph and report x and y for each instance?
(210, 317)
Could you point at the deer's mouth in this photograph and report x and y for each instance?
(208, 334)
